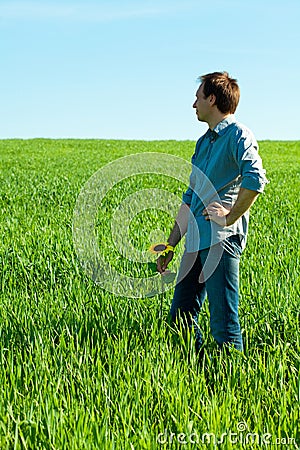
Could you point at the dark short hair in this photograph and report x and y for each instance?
(225, 89)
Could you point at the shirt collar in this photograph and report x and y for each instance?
(220, 128)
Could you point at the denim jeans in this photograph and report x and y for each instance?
(212, 272)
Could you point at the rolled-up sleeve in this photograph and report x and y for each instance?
(250, 164)
(187, 196)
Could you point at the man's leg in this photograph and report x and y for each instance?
(189, 296)
(223, 291)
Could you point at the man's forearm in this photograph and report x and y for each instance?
(180, 226)
(245, 200)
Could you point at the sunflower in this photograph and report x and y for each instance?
(161, 248)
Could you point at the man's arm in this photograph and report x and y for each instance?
(180, 226)
(224, 216)
(178, 231)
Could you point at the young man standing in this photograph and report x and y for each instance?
(226, 178)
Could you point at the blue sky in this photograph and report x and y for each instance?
(128, 69)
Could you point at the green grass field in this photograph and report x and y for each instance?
(82, 368)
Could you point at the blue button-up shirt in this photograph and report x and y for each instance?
(225, 160)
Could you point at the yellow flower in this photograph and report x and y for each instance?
(161, 248)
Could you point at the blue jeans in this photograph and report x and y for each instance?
(212, 272)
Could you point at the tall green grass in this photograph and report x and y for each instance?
(84, 369)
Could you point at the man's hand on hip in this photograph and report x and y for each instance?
(217, 213)
(228, 216)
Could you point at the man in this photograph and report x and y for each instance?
(227, 176)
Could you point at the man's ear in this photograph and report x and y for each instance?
(212, 99)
